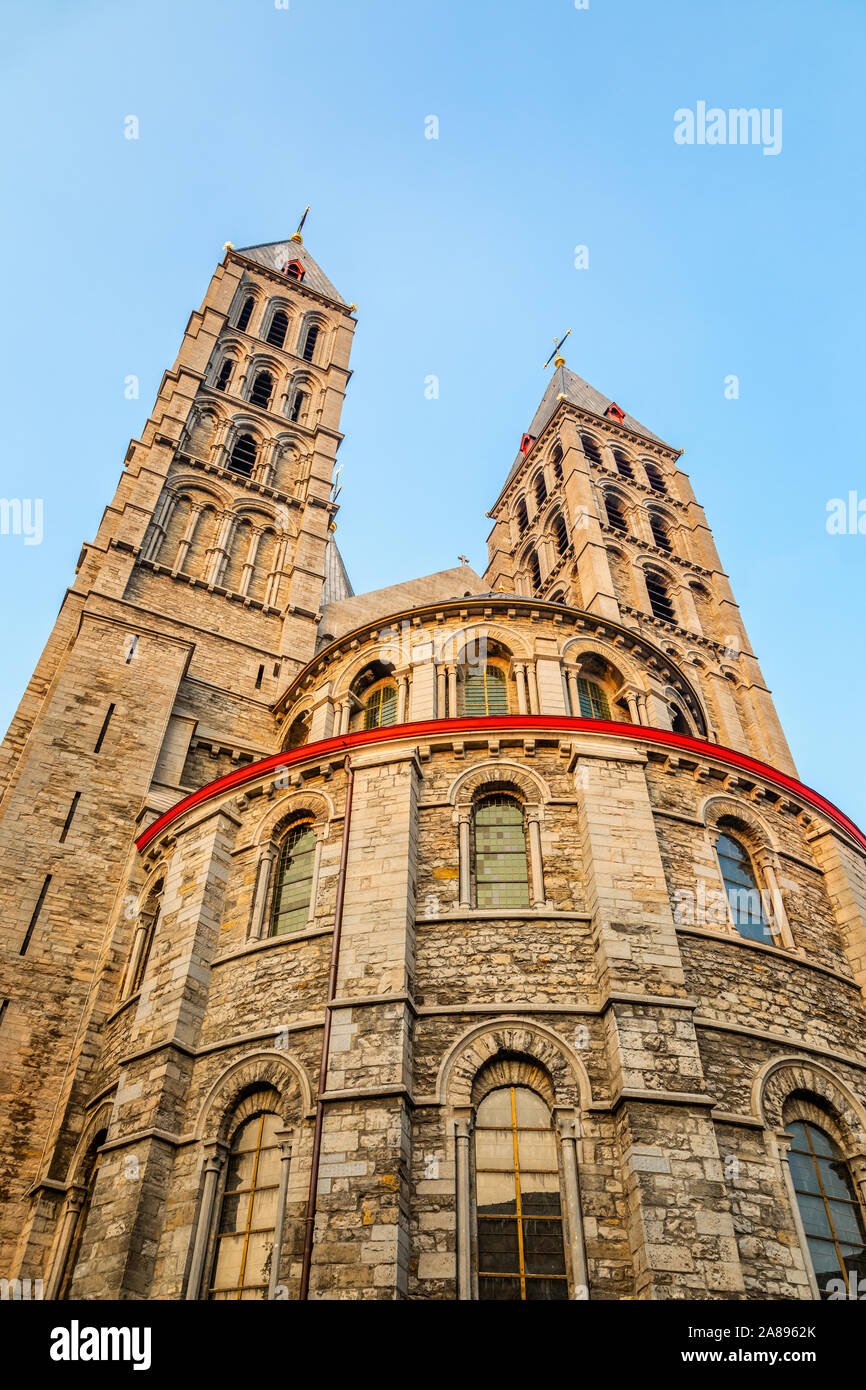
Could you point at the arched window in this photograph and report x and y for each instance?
(293, 885)
(556, 460)
(659, 598)
(741, 886)
(593, 701)
(246, 1226)
(560, 533)
(298, 411)
(520, 1238)
(540, 490)
(224, 376)
(87, 1179)
(534, 571)
(278, 328)
(831, 1213)
(660, 532)
(262, 388)
(310, 342)
(245, 313)
(615, 514)
(143, 941)
(623, 465)
(483, 690)
(557, 598)
(590, 448)
(500, 868)
(655, 478)
(522, 517)
(299, 730)
(243, 455)
(380, 706)
(679, 723)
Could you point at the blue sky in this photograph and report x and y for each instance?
(555, 130)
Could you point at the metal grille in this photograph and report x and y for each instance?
(832, 1215)
(294, 884)
(501, 876)
(741, 887)
(245, 1236)
(521, 1251)
(593, 701)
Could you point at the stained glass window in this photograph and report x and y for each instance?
(294, 880)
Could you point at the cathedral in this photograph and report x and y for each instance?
(469, 939)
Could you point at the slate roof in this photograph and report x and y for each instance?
(275, 254)
(337, 583)
(579, 393)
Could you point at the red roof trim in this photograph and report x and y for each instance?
(555, 723)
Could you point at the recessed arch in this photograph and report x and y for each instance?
(515, 1036)
(495, 773)
(279, 1070)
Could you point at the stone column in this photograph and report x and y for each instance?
(452, 692)
(465, 830)
(402, 698)
(568, 1136)
(462, 1132)
(195, 512)
(520, 678)
(345, 716)
(440, 692)
(284, 1139)
(68, 1225)
(533, 687)
(779, 917)
(532, 818)
(249, 562)
(264, 871)
(573, 692)
(214, 1159)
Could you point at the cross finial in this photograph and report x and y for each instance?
(556, 356)
(464, 559)
(296, 236)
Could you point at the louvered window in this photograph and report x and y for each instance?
(294, 880)
(277, 330)
(245, 313)
(659, 598)
(380, 706)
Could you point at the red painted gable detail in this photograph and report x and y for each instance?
(553, 723)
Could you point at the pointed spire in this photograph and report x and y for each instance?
(296, 236)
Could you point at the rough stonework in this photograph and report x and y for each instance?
(553, 769)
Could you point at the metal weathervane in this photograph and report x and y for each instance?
(556, 351)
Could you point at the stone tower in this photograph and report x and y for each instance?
(470, 938)
(194, 605)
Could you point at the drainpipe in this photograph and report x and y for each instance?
(326, 1039)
